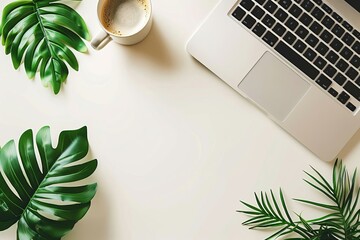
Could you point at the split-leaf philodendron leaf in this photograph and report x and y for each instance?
(39, 34)
(42, 193)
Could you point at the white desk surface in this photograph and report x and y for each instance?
(177, 147)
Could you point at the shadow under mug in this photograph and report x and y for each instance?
(134, 15)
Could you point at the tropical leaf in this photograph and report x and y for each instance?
(344, 193)
(269, 213)
(42, 193)
(342, 221)
(40, 33)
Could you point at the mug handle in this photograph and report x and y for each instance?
(100, 40)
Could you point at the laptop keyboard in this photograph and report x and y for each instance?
(312, 37)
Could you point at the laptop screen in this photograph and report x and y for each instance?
(355, 4)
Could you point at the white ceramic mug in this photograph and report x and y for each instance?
(126, 22)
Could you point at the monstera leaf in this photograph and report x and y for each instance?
(39, 33)
(42, 193)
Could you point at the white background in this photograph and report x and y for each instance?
(177, 147)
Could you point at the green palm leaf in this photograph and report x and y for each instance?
(39, 33)
(343, 192)
(342, 221)
(41, 194)
(269, 213)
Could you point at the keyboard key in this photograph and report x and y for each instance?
(330, 71)
(312, 40)
(336, 44)
(291, 23)
(340, 79)
(270, 38)
(328, 22)
(261, 2)
(258, 12)
(307, 68)
(338, 31)
(352, 89)
(337, 17)
(307, 5)
(300, 46)
(351, 73)
(351, 106)
(333, 92)
(346, 53)
(249, 21)
(306, 19)
(355, 61)
(323, 81)
(281, 15)
(285, 3)
(279, 29)
(318, 2)
(259, 29)
(322, 48)
(357, 81)
(268, 20)
(332, 57)
(295, 11)
(270, 6)
(343, 97)
(238, 13)
(320, 62)
(348, 39)
(289, 38)
(326, 8)
(342, 65)
(356, 47)
(347, 26)
(356, 34)
(310, 54)
(326, 36)
(316, 28)
(247, 4)
(317, 13)
(302, 32)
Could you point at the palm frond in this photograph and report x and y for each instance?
(342, 221)
(271, 212)
(39, 33)
(344, 194)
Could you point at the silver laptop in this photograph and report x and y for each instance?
(297, 60)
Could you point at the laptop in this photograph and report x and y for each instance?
(296, 60)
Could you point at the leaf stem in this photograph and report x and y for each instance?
(46, 37)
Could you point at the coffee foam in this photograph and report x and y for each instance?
(124, 17)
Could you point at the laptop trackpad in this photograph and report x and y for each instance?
(274, 86)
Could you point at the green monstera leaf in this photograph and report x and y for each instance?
(39, 34)
(43, 193)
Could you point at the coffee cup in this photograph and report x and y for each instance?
(126, 22)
